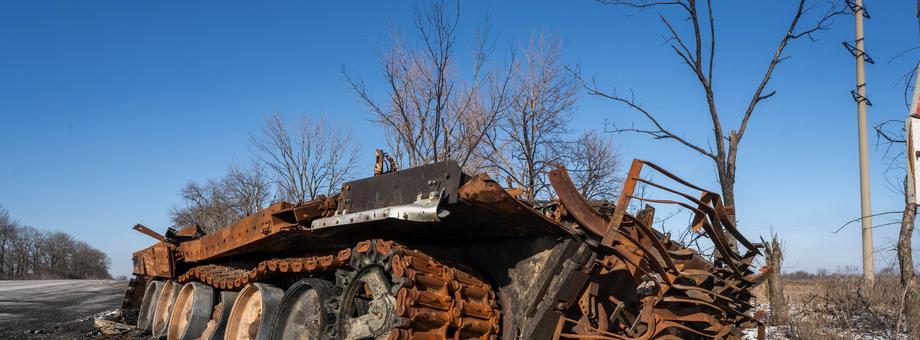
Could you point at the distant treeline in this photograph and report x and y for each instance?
(29, 253)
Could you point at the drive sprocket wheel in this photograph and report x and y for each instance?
(367, 304)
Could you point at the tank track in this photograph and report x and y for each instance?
(433, 300)
(131, 300)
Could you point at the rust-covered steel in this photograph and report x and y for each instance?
(434, 253)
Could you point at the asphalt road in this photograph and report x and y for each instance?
(54, 308)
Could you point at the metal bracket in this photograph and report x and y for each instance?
(859, 98)
(425, 209)
(856, 8)
(858, 53)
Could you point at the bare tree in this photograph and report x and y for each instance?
(775, 289)
(216, 203)
(7, 233)
(694, 43)
(595, 164)
(247, 190)
(57, 247)
(206, 205)
(304, 161)
(512, 121)
(429, 113)
(911, 307)
(29, 253)
(307, 160)
(906, 263)
(530, 137)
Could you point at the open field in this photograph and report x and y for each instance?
(54, 309)
(836, 307)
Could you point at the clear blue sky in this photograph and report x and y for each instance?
(108, 107)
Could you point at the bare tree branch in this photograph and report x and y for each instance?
(822, 25)
(594, 163)
(429, 113)
(316, 159)
(864, 217)
(530, 135)
(660, 133)
(726, 144)
(641, 5)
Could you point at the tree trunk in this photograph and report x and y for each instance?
(778, 310)
(727, 181)
(906, 262)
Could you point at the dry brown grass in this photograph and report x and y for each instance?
(838, 307)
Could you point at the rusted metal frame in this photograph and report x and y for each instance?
(679, 251)
(676, 321)
(619, 313)
(758, 278)
(656, 243)
(672, 176)
(146, 231)
(672, 299)
(635, 244)
(311, 210)
(156, 260)
(619, 260)
(666, 255)
(648, 317)
(697, 212)
(734, 311)
(714, 230)
(665, 324)
(716, 296)
(727, 222)
(482, 191)
(724, 249)
(604, 335)
(703, 290)
(656, 266)
(633, 263)
(575, 203)
(716, 279)
(172, 254)
(710, 211)
(588, 216)
(277, 218)
(654, 330)
(558, 331)
(629, 187)
(720, 208)
(712, 205)
(561, 324)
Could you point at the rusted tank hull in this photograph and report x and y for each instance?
(433, 253)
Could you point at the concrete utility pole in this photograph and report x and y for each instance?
(861, 101)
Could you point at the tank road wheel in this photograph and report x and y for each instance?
(368, 307)
(221, 312)
(191, 312)
(305, 312)
(164, 308)
(253, 312)
(149, 305)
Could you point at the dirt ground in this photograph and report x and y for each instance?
(55, 309)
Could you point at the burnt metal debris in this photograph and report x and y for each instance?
(434, 253)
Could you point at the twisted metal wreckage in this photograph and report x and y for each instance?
(433, 253)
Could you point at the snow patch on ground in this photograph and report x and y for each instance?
(787, 332)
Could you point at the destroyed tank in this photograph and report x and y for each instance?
(434, 253)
